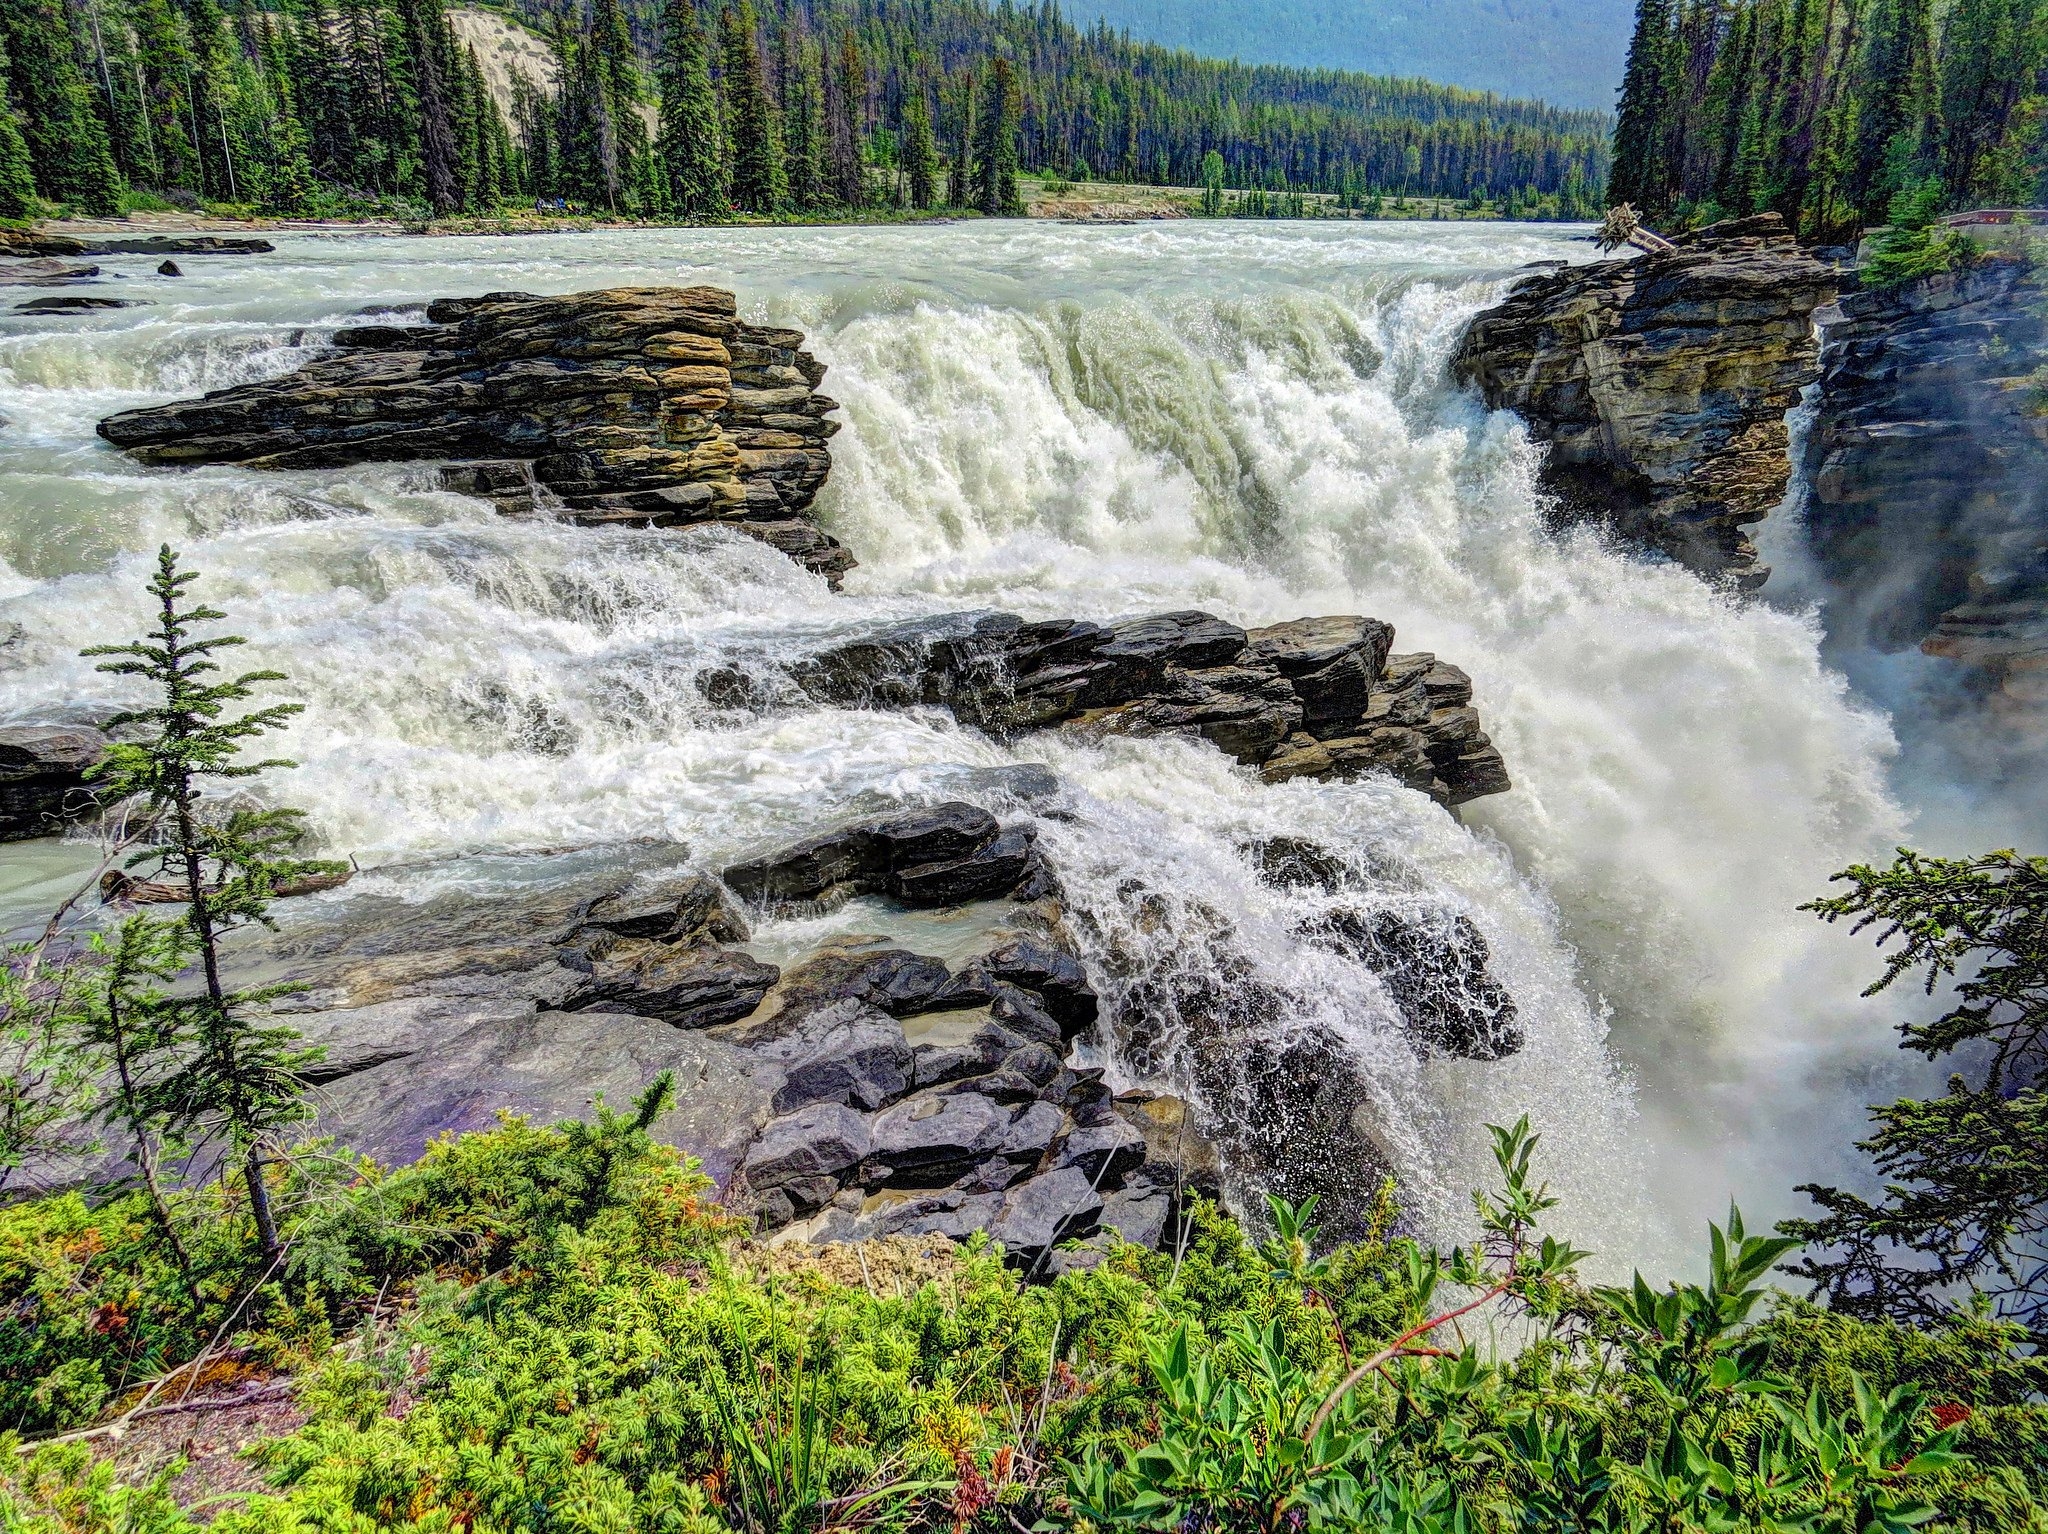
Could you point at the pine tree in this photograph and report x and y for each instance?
(1897, 95)
(920, 153)
(843, 109)
(960, 174)
(799, 71)
(1642, 168)
(425, 30)
(760, 180)
(67, 142)
(995, 150)
(235, 1077)
(17, 175)
(1965, 1197)
(618, 81)
(691, 153)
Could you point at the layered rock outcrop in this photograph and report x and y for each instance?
(1928, 461)
(628, 406)
(1316, 697)
(1661, 383)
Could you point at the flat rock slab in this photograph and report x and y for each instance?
(76, 303)
(549, 1066)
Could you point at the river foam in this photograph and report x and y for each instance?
(1055, 420)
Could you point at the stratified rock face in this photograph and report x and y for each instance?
(634, 406)
(1661, 384)
(1929, 464)
(1312, 698)
(42, 777)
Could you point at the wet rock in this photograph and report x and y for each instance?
(44, 272)
(689, 987)
(936, 1138)
(169, 269)
(943, 856)
(641, 407)
(1928, 464)
(1292, 862)
(1178, 1155)
(42, 777)
(976, 1052)
(178, 245)
(821, 1140)
(1316, 697)
(1104, 1153)
(1058, 982)
(1435, 968)
(75, 303)
(1661, 384)
(845, 1053)
(691, 910)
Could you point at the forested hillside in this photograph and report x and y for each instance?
(691, 109)
(1568, 51)
(1828, 110)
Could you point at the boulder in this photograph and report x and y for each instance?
(636, 407)
(1105, 1153)
(1660, 384)
(934, 1138)
(1057, 981)
(694, 909)
(844, 1053)
(42, 777)
(824, 1139)
(75, 303)
(948, 855)
(687, 987)
(1040, 1213)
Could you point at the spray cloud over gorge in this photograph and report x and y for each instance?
(1256, 423)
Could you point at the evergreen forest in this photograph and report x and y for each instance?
(1831, 111)
(692, 110)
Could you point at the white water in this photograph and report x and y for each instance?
(1056, 420)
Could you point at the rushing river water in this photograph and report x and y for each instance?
(1051, 420)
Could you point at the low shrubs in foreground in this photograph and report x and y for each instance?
(550, 1328)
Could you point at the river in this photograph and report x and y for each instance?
(1054, 420)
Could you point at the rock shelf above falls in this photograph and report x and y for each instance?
(637, 406)
(1661, 384)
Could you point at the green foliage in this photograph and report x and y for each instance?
(1826, 114)
(222, 1072)
(1965, 1202)
(1916, 244)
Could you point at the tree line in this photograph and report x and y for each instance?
(1826, 111)
(700, 108)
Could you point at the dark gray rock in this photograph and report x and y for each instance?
(947, 855)
(1055, 1206)
(694, 909)
(937, 1138)
(821, 1140)
(1105, 1153)
(1057, 979)
(689, 987)
(1139, 1214)
(846, 1053)
(75, 303)
(42, 777)
(1435, 967)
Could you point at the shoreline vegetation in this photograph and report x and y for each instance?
(556, 1327)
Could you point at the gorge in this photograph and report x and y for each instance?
(522, 715)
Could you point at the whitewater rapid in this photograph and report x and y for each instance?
(1053, 420)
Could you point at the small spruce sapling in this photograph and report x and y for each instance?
(231, 1075)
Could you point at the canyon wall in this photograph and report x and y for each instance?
(1928, 463)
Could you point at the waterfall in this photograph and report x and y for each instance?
(1058, 421)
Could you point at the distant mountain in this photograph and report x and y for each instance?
(1565, 51)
